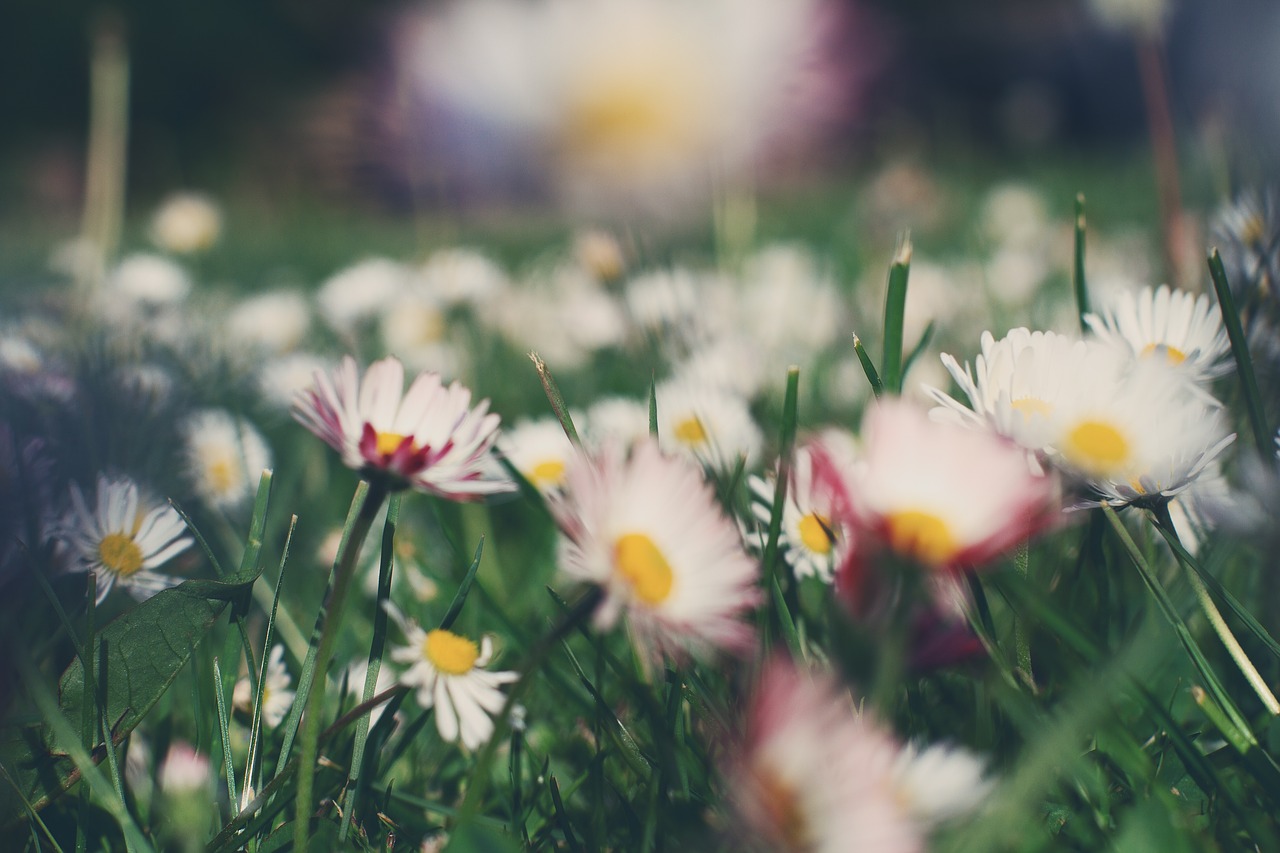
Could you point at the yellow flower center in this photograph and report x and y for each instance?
(816, 533)
(389, 442)
(120, 554)
(450, 653)
(921, 535)
(1029, 407)
(1174, 355)
(1096, 447)
(641, 563)
(221, 474)
(548, 473)
(691, 431)
(782, 806)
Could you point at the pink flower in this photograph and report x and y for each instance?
(429, 438)
(646, 528)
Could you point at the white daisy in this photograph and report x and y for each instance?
(447, 670)
(788, 306)
(276, 321)
(614, 420)
(124, 539)
(647, 530)
(430, 437)
(940, 782)
(225, 457)
(148, 280)
(277, 698)
(539, 450)
(1136, 438)
(185, 223)
(184, 770)
(463, 276)
(282, 378)
(636, 101)
(813, 537)
(359, 292)
(706, 423)
(732, 362)
(414, 326)
(1183, 329)
(599, 254)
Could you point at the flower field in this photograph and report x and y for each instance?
(668, 507)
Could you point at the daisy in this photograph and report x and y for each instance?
(124, 539)
(282, 378)
(617, 420)
(414, 325)
(429, 438)
(276, 695)
(225, 457)
(1015, 384)
(184, 770)
(1137, 437)
(186, 223)
(940, 782)
(707, 423)
(358, 292)
(149, 280)
(813, 539)
(647, 530)
(1183, 329)
(1248, 232)
(815, 776)
(448, 672)
(539, 450)
(935, 493)
(276, 321)
(463, 276)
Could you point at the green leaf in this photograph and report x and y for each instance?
(895, 309)
(146, 648)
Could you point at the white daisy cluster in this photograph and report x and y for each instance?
(1129, 411)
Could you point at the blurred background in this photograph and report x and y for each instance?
(314, 115)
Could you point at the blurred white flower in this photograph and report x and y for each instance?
(148, 280)
(617, 420)
(709, 424)
(599, 254)
(940, 782)
(361, 291)
(276, 321)
(184, 770)
(463, 276)
(414, 327)
(638, 101)
(277, 698)
(225, 456)
(186, 223)
(1013, 215)
(539, 450)
(282, 378)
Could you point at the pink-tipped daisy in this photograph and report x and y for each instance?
(647, 530)
(814, 775)
(429, 438)
(936, 493)
(124, 539)
(448, 672)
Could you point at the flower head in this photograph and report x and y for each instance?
(814, 537)
(539, 450)
(647, 530)
(429, 437)
(448, 672)
(935, 493)
(707, 423)
(225, 456)
(1183, 329)
(185, 223)
(123, 539)
(276, 695)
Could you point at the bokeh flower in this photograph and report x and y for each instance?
(225, 456)
(277, 698)
(186, 223)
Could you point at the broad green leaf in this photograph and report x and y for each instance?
(146, 648)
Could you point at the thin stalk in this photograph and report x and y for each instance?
(790, 417)
(556, 399)
(1078, 279)
(355, 780)
(1240, 351)
(108, 144)
(1220, 627)
(343, 573)
(1021, 632)
(1164, 149)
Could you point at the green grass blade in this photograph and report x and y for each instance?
(877, 387)
(653, 406)
(895, 309)
(104, 726)
(1077, 271)
(769, 560)
(32, 815)
(555, 398)
(1212, 683)
(464, 589)
(224, 730)
(920, 348)
(562, 817)
(356, 780)
(1262, 434)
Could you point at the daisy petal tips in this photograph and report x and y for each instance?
(429, 438)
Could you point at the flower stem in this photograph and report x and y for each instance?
(343, 573)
